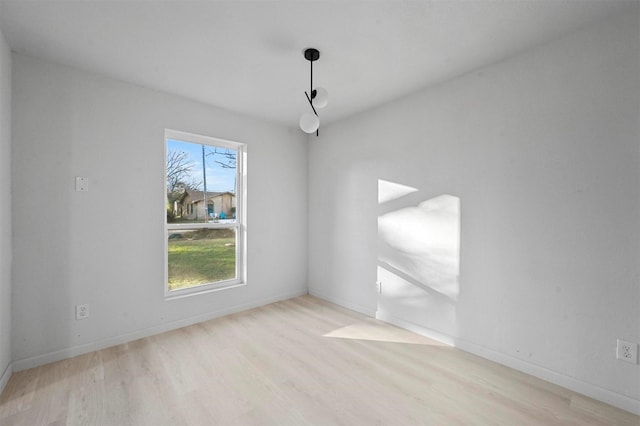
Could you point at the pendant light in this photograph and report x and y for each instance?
(318, 97)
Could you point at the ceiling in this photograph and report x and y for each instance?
(247, 56)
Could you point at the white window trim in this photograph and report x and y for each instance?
(241, 216)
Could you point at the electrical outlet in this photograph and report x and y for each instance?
(82, 312)
(627, 351)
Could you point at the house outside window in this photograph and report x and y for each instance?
(204, 228)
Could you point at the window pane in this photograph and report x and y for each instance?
(201, 256)
(201, 183)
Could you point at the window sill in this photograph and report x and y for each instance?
(195, 291)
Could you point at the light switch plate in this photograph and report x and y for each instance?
(82, 184)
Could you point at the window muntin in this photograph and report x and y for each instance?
(204, 213)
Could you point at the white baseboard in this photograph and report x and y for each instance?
(604, 395)
(35, 361)
(344, 303)
(6, 375)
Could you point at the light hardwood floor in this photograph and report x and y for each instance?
(298, 362)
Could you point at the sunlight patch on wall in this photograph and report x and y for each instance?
(389, 191)
(421, 244)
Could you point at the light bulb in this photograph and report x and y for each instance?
(322, 97)
(309, 122)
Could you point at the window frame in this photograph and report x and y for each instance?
(239, 225)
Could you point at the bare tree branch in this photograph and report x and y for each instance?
(178, 168)
(226, 159)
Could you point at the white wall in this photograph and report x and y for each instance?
(5, 212)
(542, 151)
(105, 247)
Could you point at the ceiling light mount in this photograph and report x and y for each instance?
(309, 122)
(311, 54)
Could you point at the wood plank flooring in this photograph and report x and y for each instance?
(298, 362)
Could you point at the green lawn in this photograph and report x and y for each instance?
(201, 257)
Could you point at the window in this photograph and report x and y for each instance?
(204, 228)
